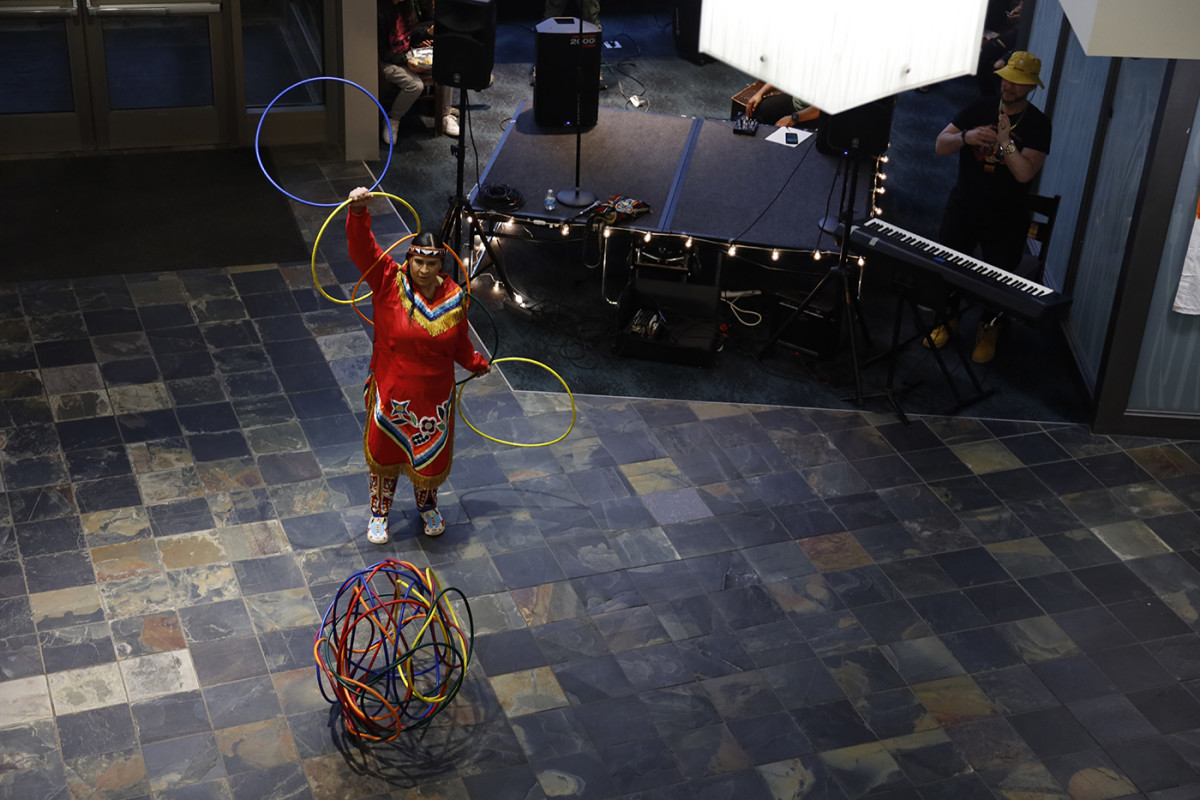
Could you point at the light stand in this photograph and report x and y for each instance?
(841, 272)
(578, 198)
(460, 206)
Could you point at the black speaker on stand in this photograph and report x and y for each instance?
(568, 73)
(464, 43)
(464, 52)
(863, 129)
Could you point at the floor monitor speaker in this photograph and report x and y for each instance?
(464, 43)
(568, 73)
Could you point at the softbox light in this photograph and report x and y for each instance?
(839, 54)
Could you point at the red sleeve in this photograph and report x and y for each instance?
(364, 250)
(464, 352)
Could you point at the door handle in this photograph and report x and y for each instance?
(139, 10)
(39, 11)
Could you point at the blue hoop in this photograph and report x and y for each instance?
(267, 110)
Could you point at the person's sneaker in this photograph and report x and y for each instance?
(377, 530)
(450, 125)
(392, 127)
(985, 343)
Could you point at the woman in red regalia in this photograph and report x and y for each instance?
(420, 332)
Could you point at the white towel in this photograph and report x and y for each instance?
(1187, 297)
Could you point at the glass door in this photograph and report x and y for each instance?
(82, 75)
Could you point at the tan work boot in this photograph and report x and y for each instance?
(985, 342)
(941, 334)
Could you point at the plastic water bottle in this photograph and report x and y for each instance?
(551, 200)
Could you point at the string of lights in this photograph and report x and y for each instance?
(507, 224)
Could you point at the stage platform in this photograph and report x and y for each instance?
(699, 177)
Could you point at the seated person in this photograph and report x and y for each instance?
(1000, 30)
(770, 106)
(401, 33)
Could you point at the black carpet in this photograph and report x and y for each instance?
(572, 327)
(99, 215)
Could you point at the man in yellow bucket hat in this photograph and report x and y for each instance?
(1001, 145)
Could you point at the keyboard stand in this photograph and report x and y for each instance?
(925, 333)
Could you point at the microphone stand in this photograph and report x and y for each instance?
(578, 198)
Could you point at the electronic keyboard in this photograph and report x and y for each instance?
(991, 285)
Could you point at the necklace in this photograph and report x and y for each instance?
(1014, 125)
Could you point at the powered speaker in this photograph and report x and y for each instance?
(866, 128)
(464, 43)
(568, 72)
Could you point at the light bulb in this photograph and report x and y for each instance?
(607, 232)
(816, 255)
(565, 229)
(688, 243)
(774, 255)
(733, 249)
(862, 262)
(646, 236)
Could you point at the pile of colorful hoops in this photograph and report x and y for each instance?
(391, 651)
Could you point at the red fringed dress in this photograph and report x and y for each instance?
(410, 390)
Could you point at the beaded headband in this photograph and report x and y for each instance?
(417, 250)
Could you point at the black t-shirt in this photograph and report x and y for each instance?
(983, 177)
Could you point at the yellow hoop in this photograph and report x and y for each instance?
(321, 232)
(570, 427)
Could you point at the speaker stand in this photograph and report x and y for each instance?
(848, 294)
(460, 208)
(578, 198)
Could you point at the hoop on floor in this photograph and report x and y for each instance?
(267, 110)
(463, 414)
(321, 232)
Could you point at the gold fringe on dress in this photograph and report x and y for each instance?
(435, 327)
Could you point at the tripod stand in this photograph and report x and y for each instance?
(460, 208)
(840, 272)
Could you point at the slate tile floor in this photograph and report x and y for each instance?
(680, 600)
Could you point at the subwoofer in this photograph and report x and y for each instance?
(568, 72)
(464, 43)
